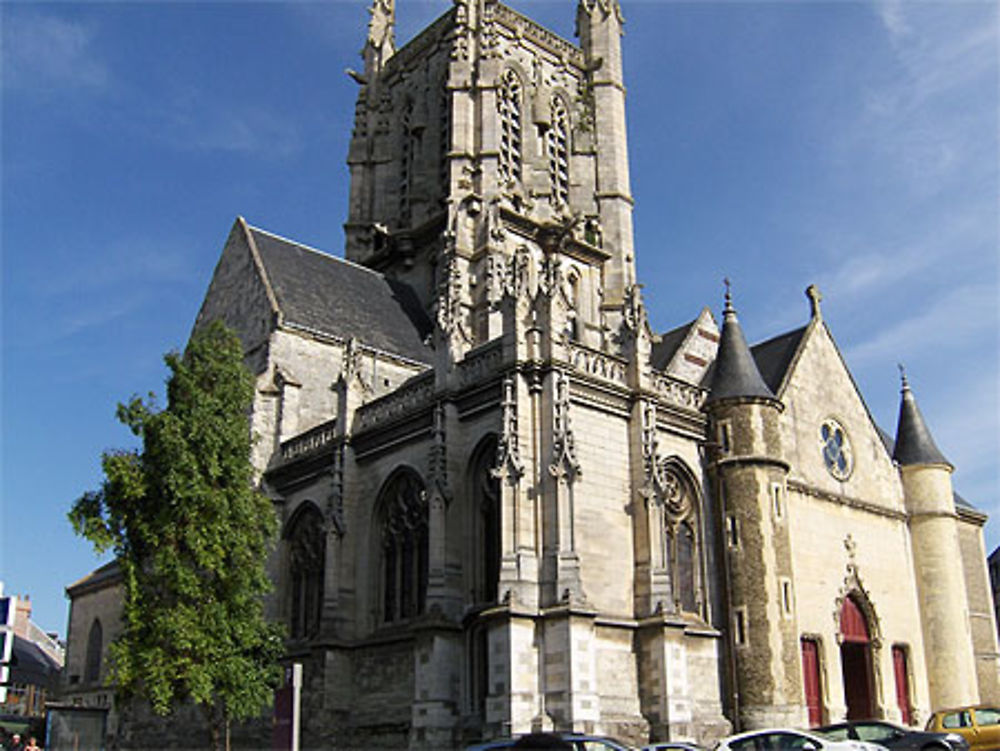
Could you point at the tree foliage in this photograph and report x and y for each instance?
(191, 535)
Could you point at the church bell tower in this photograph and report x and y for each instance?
(485, 137)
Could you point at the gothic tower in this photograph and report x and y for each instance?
(750, 474)
(944, 607)
(486, 136)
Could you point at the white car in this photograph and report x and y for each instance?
(783, 739)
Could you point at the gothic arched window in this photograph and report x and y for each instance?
(557, 151)
(95, 645)
(306, 563)
(509, 105)
(677, 516)
(486, 516)
(403, 525)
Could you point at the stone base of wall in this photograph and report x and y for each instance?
(773, 716)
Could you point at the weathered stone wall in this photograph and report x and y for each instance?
(981, 611)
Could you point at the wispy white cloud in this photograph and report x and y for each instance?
(194, 121)
(43, 52)
(934, 115)
(963, 318)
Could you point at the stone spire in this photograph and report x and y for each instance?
(599, 25)
(736, 374)
(914, 443)
(381, 42)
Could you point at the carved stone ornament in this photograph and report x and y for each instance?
(663, 486)
(449, 298)
(564, 464)
(550, 280)
(437, 459)
(508, 461)
(634, 311)
(607, 7)
(517, 281)
(853, 585)
(494, 273)
(335, 500)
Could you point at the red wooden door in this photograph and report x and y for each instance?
(810, 676)
(902, 684)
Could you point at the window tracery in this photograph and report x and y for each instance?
(404, 543)
(509, 105)
(677, 519)
(306, 563)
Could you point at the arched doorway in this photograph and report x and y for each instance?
(856, 661)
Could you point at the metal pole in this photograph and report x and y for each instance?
(296, 703)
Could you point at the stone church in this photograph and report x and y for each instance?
(508, 504)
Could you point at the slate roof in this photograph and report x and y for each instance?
(328, 294)
(30, 665)
(663, 351)
(914, 443)
(109, 573)
(774, 356)
(736, 374)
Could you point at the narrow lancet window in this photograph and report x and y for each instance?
(404, 530)
(557, 148)
(509, 104)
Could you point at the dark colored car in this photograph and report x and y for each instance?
(893, 737)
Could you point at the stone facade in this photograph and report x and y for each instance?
(508, 504)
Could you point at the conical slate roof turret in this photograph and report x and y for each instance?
(914, 443)
(736, 374)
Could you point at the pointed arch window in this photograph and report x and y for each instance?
(403, 527)
(557, 151)
(306, 564)
(677, 518)
(509, 103)
(486, 520)
(95, 646)
(409, 148)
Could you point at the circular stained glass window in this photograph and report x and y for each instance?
(836, 449)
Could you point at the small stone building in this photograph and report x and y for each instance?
(508, 504)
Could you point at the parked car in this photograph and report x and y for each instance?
(980, 726)
(892, 736)
(574, 741)
(671, 746)
(784, 739)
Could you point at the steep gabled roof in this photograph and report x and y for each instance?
(323, 293)
(774, 356)
(663, 351)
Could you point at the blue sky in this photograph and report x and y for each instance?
(850, 144)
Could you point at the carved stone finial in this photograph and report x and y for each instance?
(850, 546)
(729, 295)
(902, 376)
(813, 293)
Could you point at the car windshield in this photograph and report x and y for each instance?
(874, 731)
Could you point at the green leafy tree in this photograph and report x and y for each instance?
(191, 535)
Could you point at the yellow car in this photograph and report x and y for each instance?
(980, 726)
